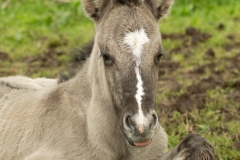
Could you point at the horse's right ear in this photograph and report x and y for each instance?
(94, 8)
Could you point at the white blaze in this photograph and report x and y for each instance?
(135, 41)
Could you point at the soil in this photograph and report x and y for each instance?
(196, 95)
(4, 56)
(49, 59)
(191, 37)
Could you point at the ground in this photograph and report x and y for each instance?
(199, 77)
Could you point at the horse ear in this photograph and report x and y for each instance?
(160, 8)
(94, 8)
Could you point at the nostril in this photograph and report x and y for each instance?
(155, 118)
(128, 123)
(154, 121)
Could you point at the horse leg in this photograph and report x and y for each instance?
(194, 146)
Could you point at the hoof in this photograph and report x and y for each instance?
(196, 147)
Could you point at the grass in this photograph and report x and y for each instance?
(37, 23)
(210, 121)
(28, 28)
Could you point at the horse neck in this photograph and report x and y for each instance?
(92, 90)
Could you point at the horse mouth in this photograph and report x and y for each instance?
(138, 144)
(142, 144)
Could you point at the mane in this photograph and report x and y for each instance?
(4, 84)
(21, 82)
(78, 58)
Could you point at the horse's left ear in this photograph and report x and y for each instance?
(94, 8)
(160, 8)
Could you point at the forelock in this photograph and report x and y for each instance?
(128, 2)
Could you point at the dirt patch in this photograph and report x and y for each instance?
(196, 35)
(192, 36)
(221, 27)
(210, 53)
(235, 95)
(220, 129)
(167, 67)
(189, 41)
(195, 95)
(232, 46)
(237, 145)
(187, 103)
(4, 56)
(236, 85)
(231, 37)
(49, 58)
(236, 137)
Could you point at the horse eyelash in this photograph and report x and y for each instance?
(160, 55)
(104, 55)
(108, 60)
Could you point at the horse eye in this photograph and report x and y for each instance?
(158, 57)
(108, 60)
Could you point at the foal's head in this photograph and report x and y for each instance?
(128, 49)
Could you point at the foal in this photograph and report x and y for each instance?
(107, 111)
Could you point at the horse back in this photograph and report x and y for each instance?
(20, 114)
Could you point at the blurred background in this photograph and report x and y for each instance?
(199, 77)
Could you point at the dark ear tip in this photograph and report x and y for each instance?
(92, 9)
(128, 1)
(95, 16)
